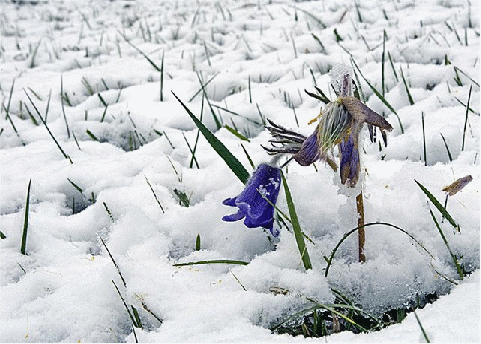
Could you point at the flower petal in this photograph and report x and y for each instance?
(309, 151)
(234, 217)
(350, 164)
(229, 201)
(362, 113)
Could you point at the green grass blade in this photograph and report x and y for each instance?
(422, 329)
(92, 136)
(447, 148)
(455, 259)
(155, 196)
(215, 261)
(141, 52)
(383, 59)
(236, 133)
(301, 245)
(424, 141)
(466, 120)
(138, 322)
(25, 223)
(411, 101)
(197, 243)
(128, 311)
(50, 133)
(231, 161)
(439, 206)
(248, 157)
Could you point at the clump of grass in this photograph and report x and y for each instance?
(319, 319)
(184, 200)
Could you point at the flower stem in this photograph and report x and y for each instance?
(360, 224)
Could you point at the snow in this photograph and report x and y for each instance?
(258, 58)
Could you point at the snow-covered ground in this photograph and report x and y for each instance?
(116, 160)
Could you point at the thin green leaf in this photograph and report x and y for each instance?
(301, 245)
(141, 52)
(411, 101)
(216, 261)
(466, 120)
(197, 243)
(231, 161)
(50, 133)
(439, 206)
(455, 259)
(422, 329)
(236, 133)
(25, 223)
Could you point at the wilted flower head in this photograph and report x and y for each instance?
(256, 201)
(340, 124)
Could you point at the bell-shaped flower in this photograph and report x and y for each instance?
(256, 202)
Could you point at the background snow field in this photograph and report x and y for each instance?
(89, 117)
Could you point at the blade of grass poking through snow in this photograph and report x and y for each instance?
(50, 133)
(155, 196)
(236, 133)
(439, 206)
(200, 89)
(301, 245)
(447, 148)
(392, 65)
(114, 262)
(162, 77)
(215, 261)
(231, 161)
(422, 328)
(383, 59)
(455, 259)
(197, 243)
(466, 120)
(194, 159)
(140, 52)
(411, 101)
(248, 157)
(216, 120)
(23, 247)
(128, 311)
(346, 235)
(424, 140)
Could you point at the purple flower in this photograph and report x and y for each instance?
(256, 201)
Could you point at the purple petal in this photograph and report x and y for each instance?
(229, 201)
(309, 151)
(234, 217)
(350, 164)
